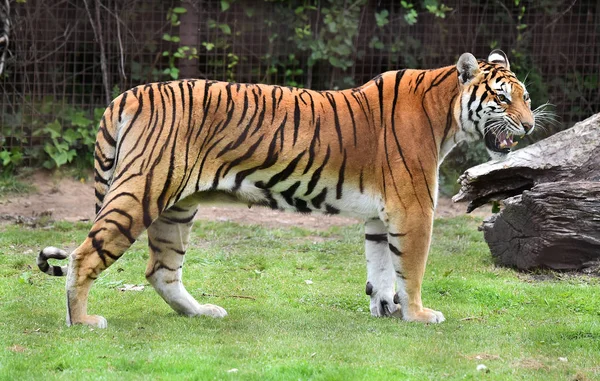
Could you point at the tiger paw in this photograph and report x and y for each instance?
(210, 310)
(425, 315)
(382, 303)
(91, 320)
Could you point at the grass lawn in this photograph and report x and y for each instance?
(281, 327)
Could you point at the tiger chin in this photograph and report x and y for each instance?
(370, 152)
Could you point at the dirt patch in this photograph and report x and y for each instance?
(63, 198)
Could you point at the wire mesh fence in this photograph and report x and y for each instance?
(67, 59)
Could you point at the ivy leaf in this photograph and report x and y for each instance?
(179, 10)
(382, 18)
(70, 136)
(78, 119)
(225, 5)
(225, 28)
(53, 128)
(5, 157)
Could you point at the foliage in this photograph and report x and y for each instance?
(68, 134)
(541, 325)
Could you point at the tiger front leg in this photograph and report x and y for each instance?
(380, 270)
(409, 236)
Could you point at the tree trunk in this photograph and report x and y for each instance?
(555, 223)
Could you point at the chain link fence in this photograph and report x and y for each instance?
(67, 59)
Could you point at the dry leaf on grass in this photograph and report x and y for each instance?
(132, 287)
(17, 348)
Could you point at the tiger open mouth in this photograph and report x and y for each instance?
(501, 141)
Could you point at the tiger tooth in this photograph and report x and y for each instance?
(514, 144)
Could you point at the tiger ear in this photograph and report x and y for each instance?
(497, 56)
(467, 67)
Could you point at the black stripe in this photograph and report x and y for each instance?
(167, 186)
(331, 209)
(288, 194)
(244, 157)
(296, 120)
(301, 206)
(449, 118)
(311, 150)
(379, 84)
(362, 107)
(336, 119)
(215, 182)
(394, 250)
(274, 106)
(426, 184)
(361, 185)
(106, 135)
(389, 164)
(281, 176)
(153, 247)
(351, 117)
(399, 76)
(379, 238)
(317, 174)
(397, 234)
(261, 116)
(318, 199)
(180, 220)
(244, 109)
(340, 183)
(270, 160)
(419, 80)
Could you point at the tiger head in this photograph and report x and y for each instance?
(494, 104)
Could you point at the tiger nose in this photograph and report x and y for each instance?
(528, 127)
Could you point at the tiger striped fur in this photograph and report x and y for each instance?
(372, 152)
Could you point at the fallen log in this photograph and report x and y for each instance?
(554, 225)
(551, 196)
(572, 154)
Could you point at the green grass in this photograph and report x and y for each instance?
(10, 185)
(519, 327)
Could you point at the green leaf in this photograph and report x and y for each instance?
(381, 18)
(166, 37)
(225, 28)
(225, 5)
(54, 128)
(5, 156)
(70, 136)
(78, 119)
(179, 10)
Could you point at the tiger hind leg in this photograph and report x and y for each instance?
(168, 238)
(113, 232)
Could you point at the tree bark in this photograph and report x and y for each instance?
(554, 225)
(4, 32)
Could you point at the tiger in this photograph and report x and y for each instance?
(370, 152)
